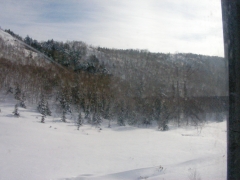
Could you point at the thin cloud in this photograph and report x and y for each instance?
(160, 26)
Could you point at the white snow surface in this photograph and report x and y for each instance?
(55, 150)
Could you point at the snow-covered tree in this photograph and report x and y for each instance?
(79, 121)
(65, 107)
(43, 108)
(87, 115)
(98, 119)
(166, 111)
(10, 90)
(63, 118)
(17, 94)
(15, 112)
(48, 111)
(121, 119)
(22, 104)
(43, 119)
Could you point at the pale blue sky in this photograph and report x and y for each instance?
(157, 25)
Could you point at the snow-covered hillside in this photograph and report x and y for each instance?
(14, 42)
(13, 49)
(8, 38)
(56, 150)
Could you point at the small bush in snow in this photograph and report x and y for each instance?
(164, 128)
(194, 175)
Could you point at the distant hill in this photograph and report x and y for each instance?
(125, 84)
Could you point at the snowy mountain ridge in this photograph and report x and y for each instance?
(17, 49)
(204, 75)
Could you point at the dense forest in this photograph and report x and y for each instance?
(130, 86)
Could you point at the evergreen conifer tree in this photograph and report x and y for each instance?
(15, 112)
(43, 108)
(22, 104)
(164, 116)
(22, 101)
(120, 120)
(93, 118)
(65, 107)
(64, 116)
(17, 94)
(98, 119)
(48, 111)
(87, 115)
(43, 119)
(80, 120)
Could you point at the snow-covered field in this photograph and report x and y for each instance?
(56, 150)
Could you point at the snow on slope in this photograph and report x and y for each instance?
(55, 150)
(8, 39)
(16, 44)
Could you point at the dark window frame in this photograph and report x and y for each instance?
(231, 29)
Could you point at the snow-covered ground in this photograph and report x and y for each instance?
(56, 150)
